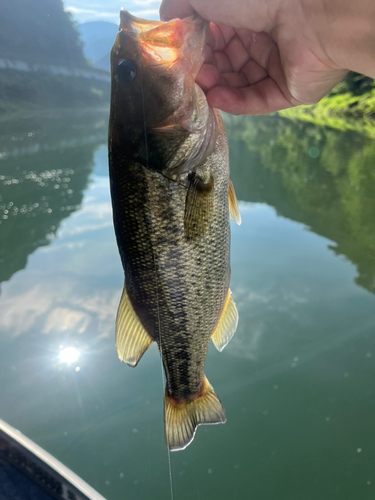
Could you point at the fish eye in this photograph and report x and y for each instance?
(126, 70)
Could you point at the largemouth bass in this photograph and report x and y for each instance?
(172, 198)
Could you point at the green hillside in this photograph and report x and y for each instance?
(349, 106)
(41, 36)
(39, 31)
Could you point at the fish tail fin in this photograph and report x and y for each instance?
(181, 419)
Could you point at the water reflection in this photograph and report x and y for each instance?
(317, 176)
(314, 175)
(69, 354)
(297, 378)
(72, 287)
(45, 164)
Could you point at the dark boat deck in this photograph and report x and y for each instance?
(27, 472)
(14, 485)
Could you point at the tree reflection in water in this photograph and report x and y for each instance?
(45, 164)
(318, 176)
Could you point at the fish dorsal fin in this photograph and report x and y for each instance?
(132, 340)
(227, 324)
(233, 205)
(198, 206)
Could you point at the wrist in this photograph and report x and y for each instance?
(346, 33)
(352, 41)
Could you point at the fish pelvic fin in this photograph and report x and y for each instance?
(233, 205)
(227, 324)
(181, 418)
(132, 340)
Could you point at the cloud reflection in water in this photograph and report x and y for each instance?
(51, 298)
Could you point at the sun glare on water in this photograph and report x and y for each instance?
(69, 355)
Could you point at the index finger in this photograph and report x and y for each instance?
(171, 9)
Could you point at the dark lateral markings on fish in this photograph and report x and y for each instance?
(172, 203)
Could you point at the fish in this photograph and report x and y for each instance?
(172, 201)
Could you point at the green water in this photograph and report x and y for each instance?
(297, 379)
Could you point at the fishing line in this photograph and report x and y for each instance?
(161, 364)
(157, 286)
(144, 116)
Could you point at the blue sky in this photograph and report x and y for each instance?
(100, 10)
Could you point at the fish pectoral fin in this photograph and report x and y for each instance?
(198, 206)
(181, 419)
(233, 205)
(132, 340)
(227, 324)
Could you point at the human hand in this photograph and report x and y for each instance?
(266, 56)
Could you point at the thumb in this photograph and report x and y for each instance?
(172, 9)
(256, 15)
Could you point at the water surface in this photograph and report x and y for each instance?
(297, 379)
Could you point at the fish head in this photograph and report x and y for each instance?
(154, 66)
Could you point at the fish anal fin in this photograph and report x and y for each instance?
(181, 419)
(227, 324)
(198, 206)
(233, 205)
(132, 340)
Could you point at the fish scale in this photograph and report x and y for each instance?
(170, 285)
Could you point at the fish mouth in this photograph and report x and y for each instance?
(128, 22)
(162, 45)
